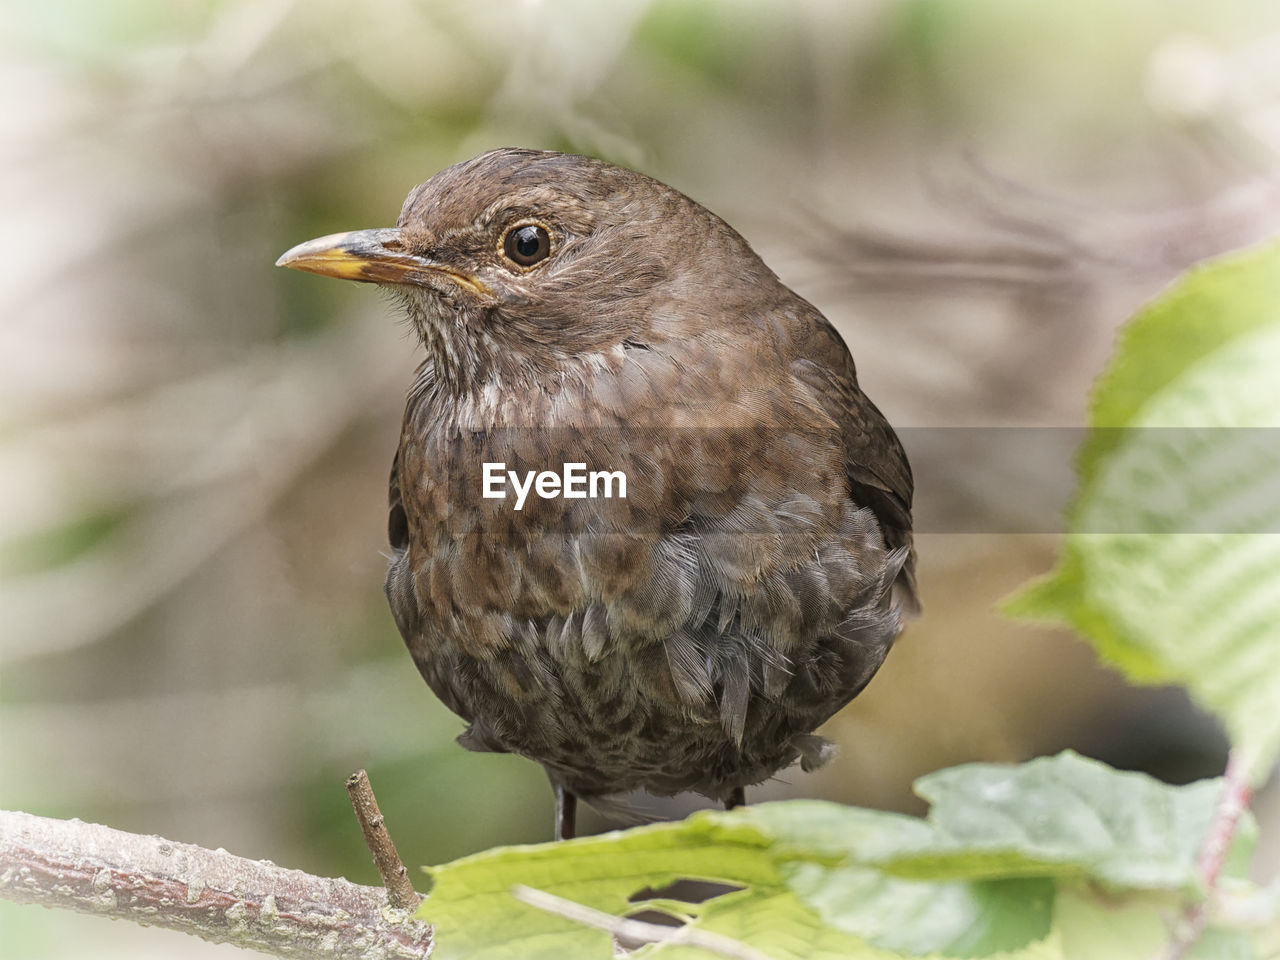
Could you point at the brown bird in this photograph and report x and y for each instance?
(713, 546)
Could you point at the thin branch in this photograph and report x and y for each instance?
(210, 894)
(1213, 855)
(1231, 807)
(1034, 241)
(400, 892)
(217, 514)
(625, 927)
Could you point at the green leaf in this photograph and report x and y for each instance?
(778, 924)
(1171, 566)
(1133, 927)
(1069, 813)
(475, 914)
(1064, 816)
(917, 917)
(976, 878)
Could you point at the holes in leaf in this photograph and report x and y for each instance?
(667, 902)
(625, 944)
(686, 890)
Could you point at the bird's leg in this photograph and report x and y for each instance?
(566, 813)
(736, 799)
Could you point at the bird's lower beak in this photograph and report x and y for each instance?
(370, 256)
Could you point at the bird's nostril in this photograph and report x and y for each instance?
(396, 246)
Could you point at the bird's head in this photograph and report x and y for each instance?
(522, 260)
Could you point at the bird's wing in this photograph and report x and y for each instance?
(397, 522)
(877, 466)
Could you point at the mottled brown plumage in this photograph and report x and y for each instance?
(694, 634)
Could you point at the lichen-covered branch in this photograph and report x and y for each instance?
(210, 894)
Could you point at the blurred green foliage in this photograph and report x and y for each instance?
(1172, 564)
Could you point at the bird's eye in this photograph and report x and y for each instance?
(527, 245)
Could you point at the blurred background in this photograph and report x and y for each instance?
(194, 445)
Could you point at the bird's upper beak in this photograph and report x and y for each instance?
(371, 256)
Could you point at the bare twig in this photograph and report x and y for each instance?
(637, 929)
(251, 485)
(209, 894)
(1213, 855)
(1231, 807)
(1033, 241)
(400, 892)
